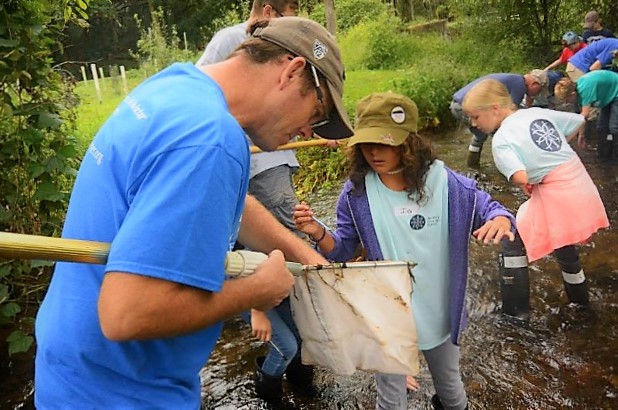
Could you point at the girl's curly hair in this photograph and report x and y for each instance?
(417, 155)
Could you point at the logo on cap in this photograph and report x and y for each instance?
(398, 114)
(388, 139)
(319, 50)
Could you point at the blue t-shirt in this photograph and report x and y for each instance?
(164, 180)
(513, 82)
(599, 50)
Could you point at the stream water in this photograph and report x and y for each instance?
(563, 357)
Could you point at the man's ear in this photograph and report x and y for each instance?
(268, 12)
(293, 70)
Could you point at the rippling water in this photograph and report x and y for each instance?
(563, 357)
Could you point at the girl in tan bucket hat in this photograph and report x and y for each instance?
(402, 203)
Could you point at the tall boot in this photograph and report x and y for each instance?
(300, 377)
(514, 278)
(267, 387)
(474, 156)
(572, 274)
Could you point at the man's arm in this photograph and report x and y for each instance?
(136, 307)
(597, 65)
(260, 231)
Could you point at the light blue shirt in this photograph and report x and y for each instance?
(410, 231)
(534, 140)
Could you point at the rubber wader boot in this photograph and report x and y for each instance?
(300, 377)
(574, 278)
(514, 278)
(267, 387)
(474, 157)
(576, 287)
(437, 404)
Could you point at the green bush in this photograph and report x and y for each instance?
(376, 44)
(38, 153)
(159, 47)
(351, 13)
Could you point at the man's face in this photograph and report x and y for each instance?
(295, 110)
(533, 88)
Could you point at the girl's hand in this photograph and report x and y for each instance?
(581, 139)
(527, 188)
(303, 219)
(260, 326)
(411, 383)
(495, 230)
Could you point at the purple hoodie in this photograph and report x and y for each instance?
(469, 209)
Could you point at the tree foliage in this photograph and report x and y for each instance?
(37, 153)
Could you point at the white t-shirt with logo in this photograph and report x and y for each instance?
(534, 140)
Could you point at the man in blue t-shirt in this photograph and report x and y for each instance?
(597, 56)
(522, 88)
(165, 181)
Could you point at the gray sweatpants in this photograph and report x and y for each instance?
(443, 362)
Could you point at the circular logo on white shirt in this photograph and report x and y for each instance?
(545, 135)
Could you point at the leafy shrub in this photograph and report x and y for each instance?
(376, 44)
(350, 13)
(159, 47)
(38, 153)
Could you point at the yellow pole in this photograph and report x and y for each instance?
(294, 145)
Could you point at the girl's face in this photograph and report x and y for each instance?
(382, 158)
(485, 119)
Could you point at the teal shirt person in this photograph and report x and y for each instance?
(597, 88)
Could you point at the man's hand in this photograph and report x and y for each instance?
(275, 280)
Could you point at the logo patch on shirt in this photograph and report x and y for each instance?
(417, 222)
(545, 135)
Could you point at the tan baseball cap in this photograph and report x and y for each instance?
(590, 18)
(308, 39)
(384, 118)
(540, 76)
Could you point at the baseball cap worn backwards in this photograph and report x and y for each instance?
(570, 38)
(308, 39)
(384, 118)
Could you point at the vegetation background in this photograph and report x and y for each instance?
(425, 49)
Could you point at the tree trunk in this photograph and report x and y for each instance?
(331, 18)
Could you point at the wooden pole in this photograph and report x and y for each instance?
(294, 145)
(21, 246)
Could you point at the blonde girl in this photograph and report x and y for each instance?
(530, 148)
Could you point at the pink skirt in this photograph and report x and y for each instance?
(564, 209)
